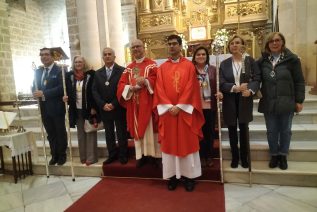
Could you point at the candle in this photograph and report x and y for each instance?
(253, 45)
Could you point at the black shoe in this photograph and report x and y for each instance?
(172, 183)
(283, 162)
(123, 160)
(189, 184)
(141, 162)
(274, 161)
(245, 164)
(109, 160)
(52, 162)
(234, 164)
(61, 161)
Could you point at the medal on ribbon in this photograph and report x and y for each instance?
(107, 83)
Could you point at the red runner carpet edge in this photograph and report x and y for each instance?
(150, 195)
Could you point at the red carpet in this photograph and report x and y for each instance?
(149, 195)
(115, 169)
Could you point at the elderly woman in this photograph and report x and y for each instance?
(283, 90)
(82, 107)
(239, 80)
(206, 75)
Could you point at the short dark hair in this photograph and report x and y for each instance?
(50, 50)
(232, 38)
(178, 38)
(206, 51)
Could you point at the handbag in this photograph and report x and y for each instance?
(257, 95)
(92, 125)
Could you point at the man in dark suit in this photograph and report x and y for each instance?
(104, 91)
(49, 88)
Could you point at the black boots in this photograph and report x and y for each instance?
(283, 162)
(278, 160)
(274, 161)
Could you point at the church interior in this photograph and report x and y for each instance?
(86, 27)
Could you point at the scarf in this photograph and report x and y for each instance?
(79, 75)
(203, 79)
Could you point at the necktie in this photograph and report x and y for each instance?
(108, 73)
(45, 77)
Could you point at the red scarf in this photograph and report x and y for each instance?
(79, 75)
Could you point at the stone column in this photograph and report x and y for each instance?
(145, 6)
(115, 29)
(89, 32)
(168, 4)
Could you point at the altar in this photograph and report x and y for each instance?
(20, 146)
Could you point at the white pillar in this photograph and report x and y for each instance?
(89, 32)
(115, 29)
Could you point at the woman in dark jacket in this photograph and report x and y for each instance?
(206, 75)
(283, 90)
(239, 81)
(82, 107)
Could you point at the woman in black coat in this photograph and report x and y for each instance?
(239, 81)
(82, 107)
(283, 90)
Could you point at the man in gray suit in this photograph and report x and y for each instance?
(112, 114)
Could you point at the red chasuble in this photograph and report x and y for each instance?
(139, 106)
(177, 84)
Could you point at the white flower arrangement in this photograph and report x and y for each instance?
(221, 37)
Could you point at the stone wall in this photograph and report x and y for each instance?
(7, 85)
(73, 30)
(298, 24)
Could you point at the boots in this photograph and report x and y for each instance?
(274, 161)
(283, 162)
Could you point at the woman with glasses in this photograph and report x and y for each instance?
(239, 81)
(283, 90)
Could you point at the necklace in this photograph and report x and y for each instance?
(237, 67)
(79, 85)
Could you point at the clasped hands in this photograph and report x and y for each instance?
(243, 88)
(174, 110)
(108, 107)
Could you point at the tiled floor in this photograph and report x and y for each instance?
(39, 193)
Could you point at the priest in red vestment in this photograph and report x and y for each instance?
(135, 93)
(177, 99)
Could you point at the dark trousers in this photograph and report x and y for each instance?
(121, 131)
(244, 136)
(206, 145)
(56, 135)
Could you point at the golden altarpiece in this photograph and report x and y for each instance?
(198, 20)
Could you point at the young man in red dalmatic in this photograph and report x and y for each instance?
(135, 92)
(177, 99)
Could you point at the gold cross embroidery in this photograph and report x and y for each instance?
(176, 81)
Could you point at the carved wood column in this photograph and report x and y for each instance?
(168, 4)
(145, 6)
(313, 90)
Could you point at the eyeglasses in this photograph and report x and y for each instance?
(275, 41)
(136, 47)
(172, 43)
